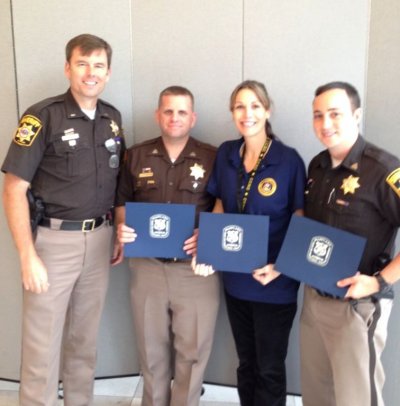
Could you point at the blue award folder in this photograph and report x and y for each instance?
(233, 242)
(319, 255)
(161, 229)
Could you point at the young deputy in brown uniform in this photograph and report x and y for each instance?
(174, 310)
(355, 186)
(66, 150)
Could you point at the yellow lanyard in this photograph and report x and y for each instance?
(263, 152)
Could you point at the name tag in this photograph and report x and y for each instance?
(70, 137)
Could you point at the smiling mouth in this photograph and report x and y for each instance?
(248, 124)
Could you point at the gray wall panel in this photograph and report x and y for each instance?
(190, 43)
(383, 128)
(198, 45)
(40, 52)
(39, 64)
(208, 46)
(293, 47)
(10, 291)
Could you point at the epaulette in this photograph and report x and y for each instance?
(204, 145)
(144, 143)
(39, 106)
(384, 158)
(106, 103)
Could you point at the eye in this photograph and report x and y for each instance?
(317, 116)
(238, 107)
(335, 114)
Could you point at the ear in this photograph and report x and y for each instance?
(67, 69)
(157, 116)
(268, 114)
(358, 115)
(194, 119)
(108, 74)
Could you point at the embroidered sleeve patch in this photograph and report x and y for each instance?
(29, 128)
(393, 180)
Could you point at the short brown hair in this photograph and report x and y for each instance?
(176, 91)
(87, 44)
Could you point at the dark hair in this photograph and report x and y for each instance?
(350, 90)
(176, 91)
(261, 92)
(87, 44)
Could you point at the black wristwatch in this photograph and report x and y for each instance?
(384, 287)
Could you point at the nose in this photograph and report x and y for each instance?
(90, 70)
(248, 111)
(326, 121)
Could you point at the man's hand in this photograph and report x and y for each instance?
(118, 253)
(359, 286)
(190, 245)
(124, 234)
(266, 274)
(34, 275)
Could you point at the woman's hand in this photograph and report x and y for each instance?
(201, 269)
(266, 274)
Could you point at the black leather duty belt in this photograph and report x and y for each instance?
(68, 225)
(172, 260)
(324, 294)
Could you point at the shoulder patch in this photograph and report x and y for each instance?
(393, 180)
(29, 128)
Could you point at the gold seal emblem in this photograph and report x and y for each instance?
(28, 129)
(267, 187)
(393, 180)
(350, 184)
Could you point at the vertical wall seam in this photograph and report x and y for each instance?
(243, 22)
(15, 59)
(132, 69)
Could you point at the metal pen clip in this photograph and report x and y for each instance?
(332, 194)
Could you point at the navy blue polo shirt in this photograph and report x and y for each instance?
(277, 191)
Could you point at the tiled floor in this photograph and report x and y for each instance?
(128, 391)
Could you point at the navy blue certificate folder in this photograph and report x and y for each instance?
(233, 242)
(319, 255)
(161, 229)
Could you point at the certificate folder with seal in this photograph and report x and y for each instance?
(233, 242)
(319, 255)
(161, 229)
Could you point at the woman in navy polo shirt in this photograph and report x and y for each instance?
(257, 174)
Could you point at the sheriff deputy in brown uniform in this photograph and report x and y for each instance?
(66, 153)
(173, 308)
(355, 186)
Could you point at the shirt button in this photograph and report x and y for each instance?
(171, 183)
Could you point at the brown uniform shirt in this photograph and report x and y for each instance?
(149, 175)
(361, 195)
(62, 153)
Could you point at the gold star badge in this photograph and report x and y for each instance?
(197, 171)
(350, 184)
(114, 128)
